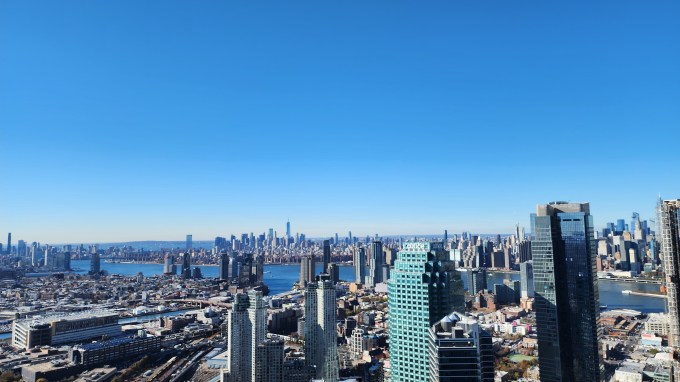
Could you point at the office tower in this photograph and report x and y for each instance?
(186, 265)
(220, 243)
(669, 235)
(477, 280)
(336, 239)
(566, 294)
(234, 267)
(350, 238)
(326, 254)
(320, 347)
(526, 277)
(269, 356)
(247, 328)
(524, 249)
(189, 243)
(169, 265)
(425, 286)
(307, 269)
(460, 350)
(360, 264)
(288, 229)
(95, 265)
(375, 268)
(34, 254)
(9, 243)
(21, 249)
(62, 261)
(333, 272)
(224, 266)
(508, 292)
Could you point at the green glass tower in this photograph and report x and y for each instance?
(425, 286)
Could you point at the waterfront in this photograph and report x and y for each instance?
(610, 292)
(278, 277)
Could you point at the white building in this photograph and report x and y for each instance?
(247, 327)
(59, 329)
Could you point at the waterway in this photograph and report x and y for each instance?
(610, 292)
(278, 277)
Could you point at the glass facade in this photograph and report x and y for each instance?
(566, 293)
(425, 286)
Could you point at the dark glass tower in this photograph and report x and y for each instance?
(224, 266)
(326, 254)
(566, 293)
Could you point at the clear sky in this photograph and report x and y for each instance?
(135, 120)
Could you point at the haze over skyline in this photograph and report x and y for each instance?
(133, 121)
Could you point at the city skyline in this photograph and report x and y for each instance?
(210, 118)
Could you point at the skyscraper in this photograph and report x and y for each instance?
(477, 281)
(95, 265)
(360, 264)
(375, 269)
(566, 293)
(425, 286)
(247, 328)
(9, 243)
(288, 229)
(189, 243)
(526, 277)
(307, 269)
(669, 235)
(224, 265)
(186, 265)
(326, 254)
(460, 350)
(320, 347)
(169, 265)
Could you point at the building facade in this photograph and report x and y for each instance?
(566, 293)
(460, 351)
(425, 286)
(321, 349)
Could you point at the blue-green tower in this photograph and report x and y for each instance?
(425, 286)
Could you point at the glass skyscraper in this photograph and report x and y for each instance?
(566, 293)
(425, 286)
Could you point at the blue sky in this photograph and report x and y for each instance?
(133, 120)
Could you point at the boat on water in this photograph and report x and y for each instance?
(626, 291)
(603, 307)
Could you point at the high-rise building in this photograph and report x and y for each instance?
(566, 293)
(326, 254)
(247, 328)
(307, 269)
(288, 229)
(375, 268)
(186, 265)
(333, 272)
(360, 264)
(95, 263)
(425, 286)
(460, 350)
(224, 266)
(477, 281)
(526, 277)
(21, 249)
(9, 243)
(189, 244)
(320, 347)
(269, 356)
(669, 235)
(169, 265)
